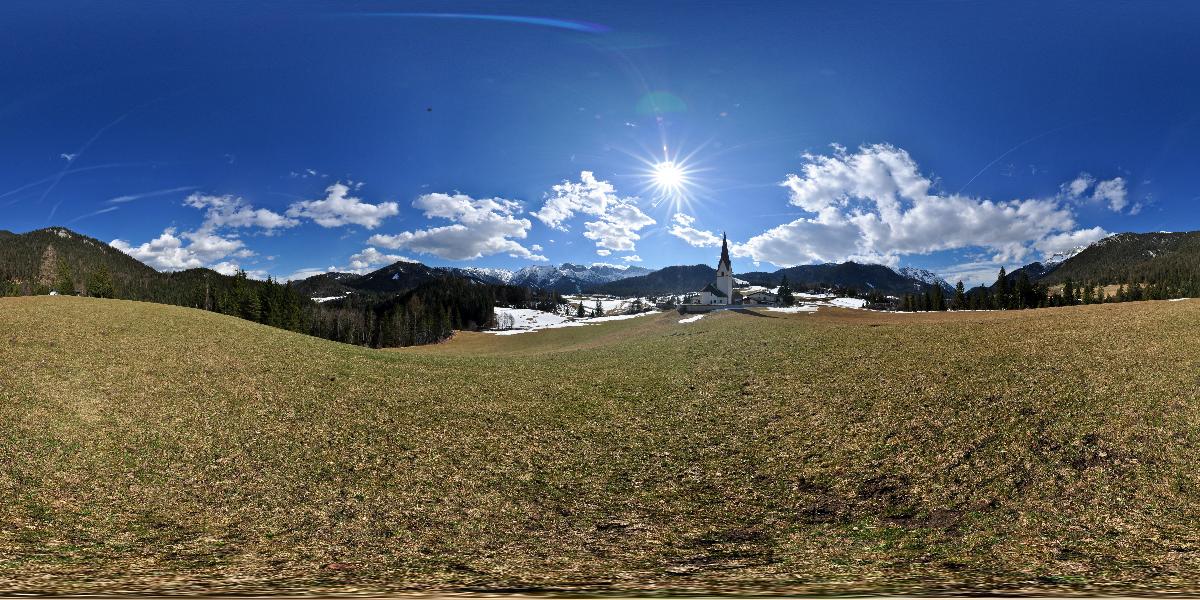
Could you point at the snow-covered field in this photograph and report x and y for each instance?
(692, 319)
(610, 305)
(801, 308)
(848, 302)
(512, 321)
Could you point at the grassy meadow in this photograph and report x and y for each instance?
(151, 448)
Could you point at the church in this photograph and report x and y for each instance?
(719, 291)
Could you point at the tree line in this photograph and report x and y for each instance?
(426, 314)
(1018, 293)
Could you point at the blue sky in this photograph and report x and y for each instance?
(290, 137)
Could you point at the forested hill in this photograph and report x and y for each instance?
(850, 275)
(1172, 259)
(403, 304)
(45, 259)
(671, 280)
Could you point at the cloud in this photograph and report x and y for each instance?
(1079, 186)
(338, 208)
(231, 268)
(682, 229)
(68, 157)
(972, 274)
(229, 211)
(1068, 241)
(618, 218)
(478, 228)
(632, 258)
(207, 245)
(1113, 192)
(363, 262)
(132, 197)
(170, 252)
(307, 272)
(874, 205)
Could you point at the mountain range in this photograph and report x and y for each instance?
(30, 261)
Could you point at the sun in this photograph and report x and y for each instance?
(668, 176)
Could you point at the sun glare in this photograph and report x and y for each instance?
(669, 177)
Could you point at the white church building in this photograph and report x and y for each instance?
(719, 291)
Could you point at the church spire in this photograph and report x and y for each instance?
(724, 250)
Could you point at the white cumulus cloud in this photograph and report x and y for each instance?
(875, 205)
(363, 262)
(230, 211)
(1070, 240)
(188, 250)
(477, 228)
(682, 228)
(339, 208)
(618, 219)
(1113, 192)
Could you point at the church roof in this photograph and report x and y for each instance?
(712, 289)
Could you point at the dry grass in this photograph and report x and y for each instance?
(156, 448)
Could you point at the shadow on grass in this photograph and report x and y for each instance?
(746, 311)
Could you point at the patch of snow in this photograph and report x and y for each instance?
(1178, 299)
(524, 320)
(692, 319)
(62, 233)
(328, 298)
(848, 302)
(799, 308)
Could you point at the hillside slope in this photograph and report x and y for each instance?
(1126, 257)
(865, 278)
(31, 259)
(162, 449)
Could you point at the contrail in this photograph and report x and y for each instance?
(568, 24)
(132, 197)
(78, 153)
(92, 214)
(70, 172)
(1010, 151)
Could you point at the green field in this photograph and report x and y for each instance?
(156, 448)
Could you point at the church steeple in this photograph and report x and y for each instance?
(724, 262)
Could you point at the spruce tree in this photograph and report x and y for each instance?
(1000, 297)
(99, 283)
(960, 296)
(63, 282)
(786, 298)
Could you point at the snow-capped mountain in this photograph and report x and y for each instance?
(1059, 257)
(571, 278)
(925, 276)
(566, 278)
(485, 274)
